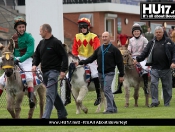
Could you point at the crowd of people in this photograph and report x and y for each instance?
(102, 58)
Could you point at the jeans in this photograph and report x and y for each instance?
(52, 98)
(106, 87)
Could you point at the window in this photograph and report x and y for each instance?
(140, 23)
(110, 27)
(110, 24)
(153, 26)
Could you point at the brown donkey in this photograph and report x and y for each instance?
(132, 79)
(15, 89)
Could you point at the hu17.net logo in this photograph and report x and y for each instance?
(157, 11)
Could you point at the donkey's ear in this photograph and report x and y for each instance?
(66, 47)
(1, 46)
(11, 45)
(129, 52)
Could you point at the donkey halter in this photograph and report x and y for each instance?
(7, 56)
(126, 60)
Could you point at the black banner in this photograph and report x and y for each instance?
(87, 122)
(157, 11)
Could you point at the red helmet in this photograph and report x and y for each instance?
(84, 20)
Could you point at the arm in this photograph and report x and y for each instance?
(30, 49)
(90, 59)
(173, 51)
(119, 62)
(96, 43)
(129, 46)
(36, 56)
(75, 47)
(145, 42)
(64, 56)
(145, 52)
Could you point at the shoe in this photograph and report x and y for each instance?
(31, 103)
(154, 105)
(167, 105)
(67, 102)
(109, 112)
(62, 117)
(119, 89)
(97, 101)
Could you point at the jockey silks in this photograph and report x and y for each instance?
(84, 45)
(24, 46)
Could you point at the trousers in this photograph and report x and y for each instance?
(50, 79)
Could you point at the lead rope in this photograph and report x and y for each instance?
(103, 59)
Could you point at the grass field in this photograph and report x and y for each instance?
(160, 112)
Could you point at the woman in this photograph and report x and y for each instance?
(136, 45)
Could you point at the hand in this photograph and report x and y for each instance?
(173, 66)
(135, 61)
(33, 69)
(76, 64)
(16, 62)
(121, 79)
(62, 75)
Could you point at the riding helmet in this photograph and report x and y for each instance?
(84, 21)
(18, 21)
(136, 26)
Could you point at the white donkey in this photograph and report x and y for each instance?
(80, 87)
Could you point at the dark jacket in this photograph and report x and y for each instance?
(112, 59)
(169, 50)
(52, 55)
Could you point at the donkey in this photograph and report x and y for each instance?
(80, 87)
(14, 86)
(132, 79)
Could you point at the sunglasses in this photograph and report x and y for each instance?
(83, 26)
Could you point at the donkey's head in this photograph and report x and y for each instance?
(8, 58)
(127, 59)
(71, 57)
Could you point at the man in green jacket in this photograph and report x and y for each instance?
(23, 52)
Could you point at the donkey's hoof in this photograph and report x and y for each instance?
(147, 105)
(85, 110)
(126, 105)
(136, 105)
(77, 112)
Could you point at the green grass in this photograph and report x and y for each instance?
(160, 112)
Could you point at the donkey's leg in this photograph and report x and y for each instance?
(10, 105)
(103, 100)
(147, 100)
(82, 93)
(42, 94)
(75, 94)
(127, 96)
(19, 98)
(136, 95)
